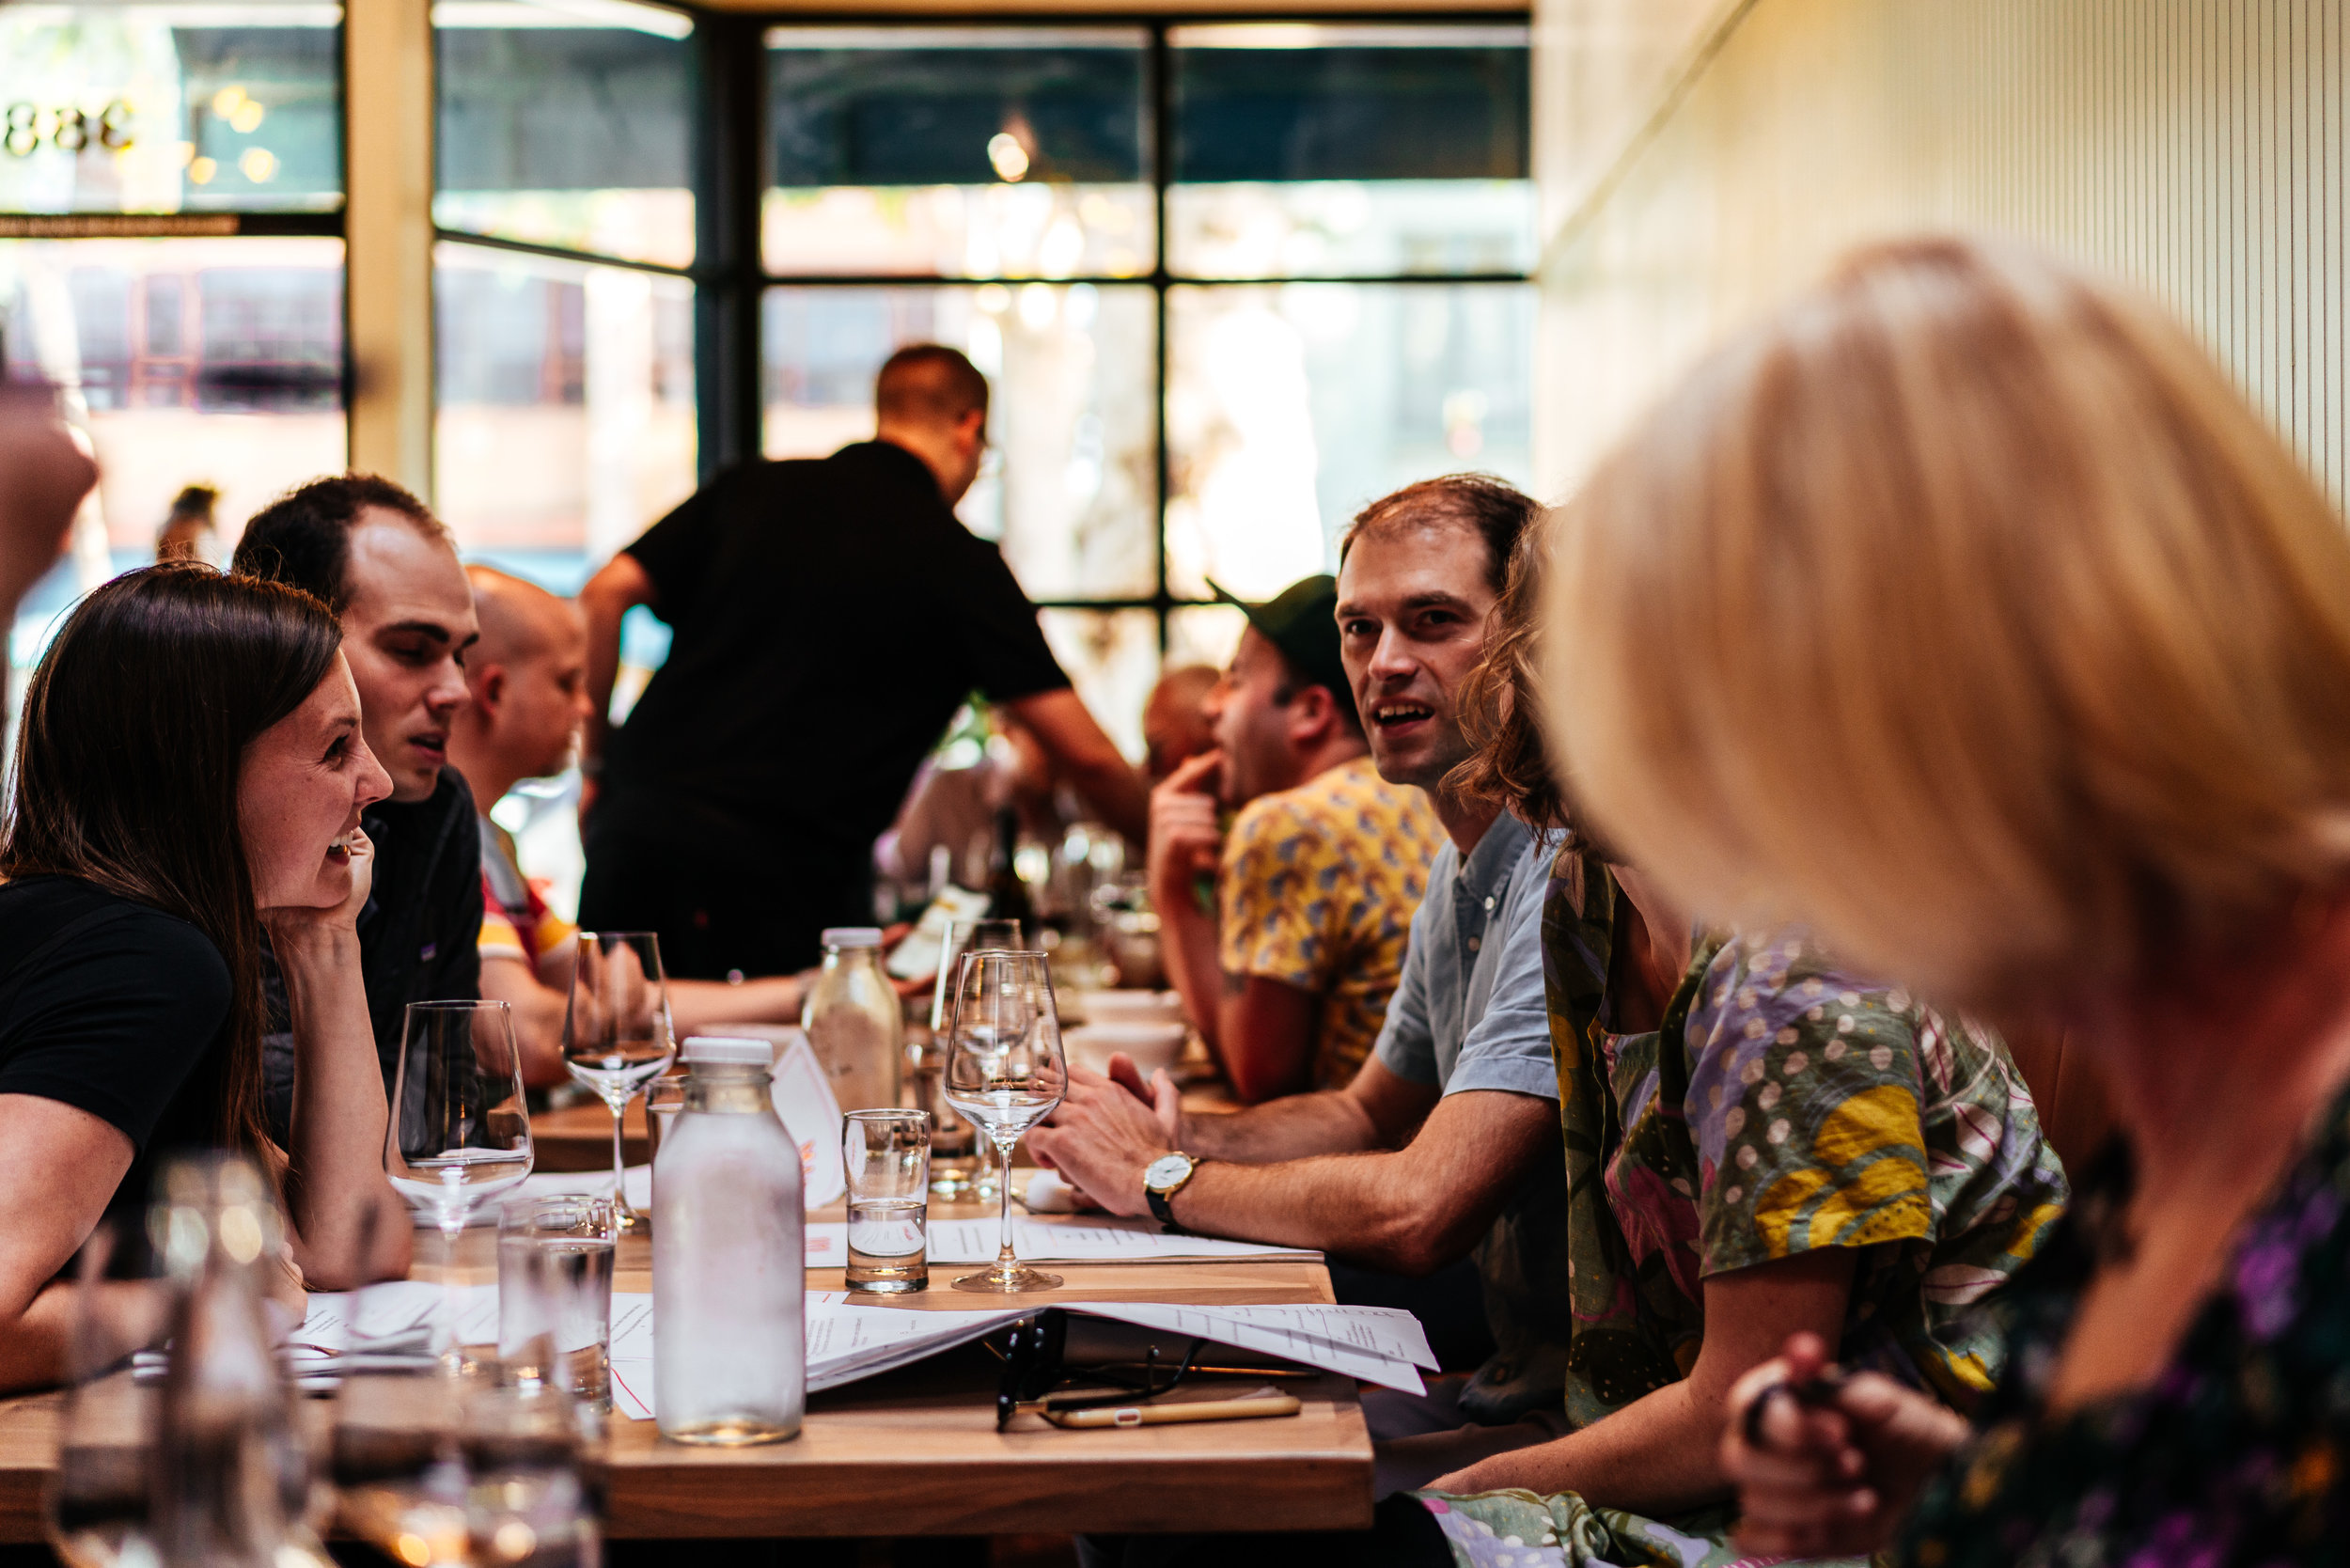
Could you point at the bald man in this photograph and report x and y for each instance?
(829, 616)
(527, 677)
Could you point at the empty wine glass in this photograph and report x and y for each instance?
(956, 1171)
(1005, 1073)
(459, 1134)
(617, 1035)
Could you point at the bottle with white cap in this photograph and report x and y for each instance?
(729, 1269)
(855, 1021)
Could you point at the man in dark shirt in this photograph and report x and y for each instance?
(385, 563)
(829, 615)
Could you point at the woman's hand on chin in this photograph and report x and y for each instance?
(286, 922)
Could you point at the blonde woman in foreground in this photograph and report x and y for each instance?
(1965, 607)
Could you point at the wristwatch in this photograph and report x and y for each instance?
(1162, 1179)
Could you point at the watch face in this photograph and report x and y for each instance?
(1166, 1171)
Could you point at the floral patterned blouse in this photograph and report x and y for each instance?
(1783, 1106)
(2239, 1453)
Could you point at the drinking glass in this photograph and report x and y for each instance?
(459, 1133)
(555, 1294)
(956, 1171)
(96, 1504)
(617, 1034)
(664, 1098)
(886, 1158)
(1005, 1073)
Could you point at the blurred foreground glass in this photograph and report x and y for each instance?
(526, 1502)
(231, 1477)
(555, 1259)
(886, 1155)
(1004, 1073)
(617, 1034)
(96, 1503)
(1290, 406)
(459, 1134)
(995, 151)
(1070, 483)
(564, 420)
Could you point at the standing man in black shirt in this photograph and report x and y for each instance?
(383, 562)
(829, 615)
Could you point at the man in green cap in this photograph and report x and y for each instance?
(1287, 976)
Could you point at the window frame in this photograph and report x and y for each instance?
(730, 273)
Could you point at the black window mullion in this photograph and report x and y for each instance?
(1162, 142)
(729, 56)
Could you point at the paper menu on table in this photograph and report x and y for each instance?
(1099, 1239)
(845, 1343)
(804, 1099)
(335, 1318)
(1365, 1342)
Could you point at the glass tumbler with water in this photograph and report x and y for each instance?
(886, 1155)
(729, 1269)
(555, 1294)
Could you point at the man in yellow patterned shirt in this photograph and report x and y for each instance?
(1316, 880)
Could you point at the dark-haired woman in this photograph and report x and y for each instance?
(189, 769)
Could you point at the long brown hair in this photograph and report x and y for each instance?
(127, 759)
(1500, 710)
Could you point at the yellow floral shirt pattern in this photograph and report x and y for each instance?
(1317, 889)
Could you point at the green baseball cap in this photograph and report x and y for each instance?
(1302, 620)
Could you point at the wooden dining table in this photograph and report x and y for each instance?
(916, 1452)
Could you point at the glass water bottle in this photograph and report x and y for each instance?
(855, 1021)
(729, 1362)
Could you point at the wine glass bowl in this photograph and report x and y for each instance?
(1004, 1073)
(617, 1036)
(459, 1133)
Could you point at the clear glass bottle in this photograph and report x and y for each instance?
(729, 1269)
(855, 1021)
(231, 1477)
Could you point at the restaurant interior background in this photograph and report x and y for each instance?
(1234, 269)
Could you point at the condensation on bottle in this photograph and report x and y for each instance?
(855, 1021)
(728, 1265)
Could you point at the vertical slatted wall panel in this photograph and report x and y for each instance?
(2194, 146)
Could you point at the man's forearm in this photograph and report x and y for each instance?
(604, 671)
(1360, 1207)
(1294, 1128)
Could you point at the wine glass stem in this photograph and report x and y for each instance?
(447, 1346)
(1006, 1260)
(620, 1159)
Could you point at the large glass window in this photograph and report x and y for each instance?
(567, 125)
(1336, 304)
(171, 105)
(562, 296)
(958, 153)
(171, 261)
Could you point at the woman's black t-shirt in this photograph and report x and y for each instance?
(114, 1007)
